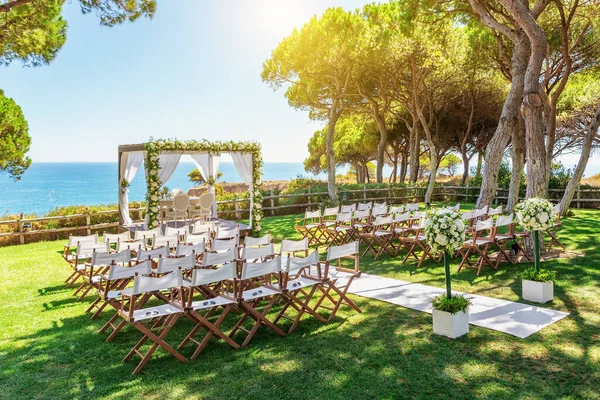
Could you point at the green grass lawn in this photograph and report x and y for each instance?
(50, 349)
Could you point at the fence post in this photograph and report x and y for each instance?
(578, 196)
(272, 203)
(88, 222)
(20, 229)
(236, 205)
(389, 196)
(308, 200)
(140, 212)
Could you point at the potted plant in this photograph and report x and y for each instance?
(535, 215)
(445, 232)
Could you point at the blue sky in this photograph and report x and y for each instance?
(192, 72)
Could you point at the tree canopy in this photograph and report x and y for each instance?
(14, 138)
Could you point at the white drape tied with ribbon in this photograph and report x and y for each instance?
(243, 164)
(208, 166)
(130, 165)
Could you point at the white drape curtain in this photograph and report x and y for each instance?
(208, 166)
(166, 166)
(130, 165)
(243, 164)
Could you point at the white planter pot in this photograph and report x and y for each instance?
(538, 292)
(450, 325)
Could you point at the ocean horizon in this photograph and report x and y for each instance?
(47, 185)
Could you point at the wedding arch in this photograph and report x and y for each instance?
(160, 158)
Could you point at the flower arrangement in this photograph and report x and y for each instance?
(535, 214)
(124, 183)
(155, 146)
(445, 231)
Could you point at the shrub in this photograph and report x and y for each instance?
(453, 305)
(543, 275)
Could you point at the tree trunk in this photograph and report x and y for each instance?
(403, 167)
(415, 139)
(479, 163)
(508, 123)
(465, 160)
(432, 173)
(550, 139)
(518, 162)
(583, 160)
(381, 146)
(334, 115)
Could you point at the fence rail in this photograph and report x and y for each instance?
(273, 204)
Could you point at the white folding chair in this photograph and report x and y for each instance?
(221, 300)
(348, 208)
(257, 254)
(153, 322)
(364, 206)
(480, 244)
(265, 240)
(259, 282)
(338, 279)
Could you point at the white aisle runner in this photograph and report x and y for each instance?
(516, 319)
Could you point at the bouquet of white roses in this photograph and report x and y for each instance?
(445, 231)
(535, 214)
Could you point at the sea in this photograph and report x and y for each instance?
(45, 186)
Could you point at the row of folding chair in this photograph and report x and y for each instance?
(152, 299)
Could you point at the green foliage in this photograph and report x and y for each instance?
(195, 176)
(543, 275)
(559, 176)
(450, 162)
(14, 138)
(455, 304)
(504, 176)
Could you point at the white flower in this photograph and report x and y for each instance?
(154, 209)
(154, 197)
(441, 239)
(460, 225)
(258, 217)
(543, 218)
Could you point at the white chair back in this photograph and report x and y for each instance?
(144, 284)
(481, 212)
(365, 206)
(297, 263)
(197, 237)
(253, 253)
(141, 234)
(199, 227)
(120, 272)
(402, 217)
(166, 265)
(495, 211)
(343, 217)
(153, 253)
(130, 245)
(116, 237)
(169, 230)
(250, 241)
(348, 249)
(419, 215)
(504, 220)
(348, 208)
(122, 257)
(181, 202)
(397, 209)
(219, 258)
(160, 241)
(187, 249)
(412, 207)
(87, 249)
(484, 225)
(224, 244)
(330, 212)
(205, 276)
(228, 233)
(289, 246)
(362, 214)
(312, 214)
(379, 210)
(254, 270)
(73, 240)
(379, 221)
(206, 200)
(467, 215)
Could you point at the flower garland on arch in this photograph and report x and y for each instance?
(155, 146)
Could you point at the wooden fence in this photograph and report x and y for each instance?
(23, 230)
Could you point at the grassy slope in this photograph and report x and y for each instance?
(50, 349)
